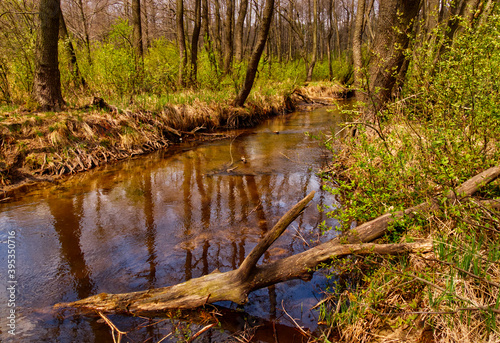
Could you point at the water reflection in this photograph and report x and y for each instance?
(150, 230)
(66, 213)
(166, 218)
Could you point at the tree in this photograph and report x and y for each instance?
(70, 51)
(356, 44)
(194, 42)
(47, 80)
(228, 37)
(4, 82)
(238, 32)
(257, 53)
(395, 25)
(86, 29)
(208, 40)
(181, 40)
(315, 41)
(137, 28)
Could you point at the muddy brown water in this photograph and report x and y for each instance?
(161, 219)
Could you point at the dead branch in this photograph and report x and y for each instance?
(113, 329)
(251, 260)
(235, 285)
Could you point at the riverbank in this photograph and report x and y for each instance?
(40, 147)
(170, 216)
(411, 160)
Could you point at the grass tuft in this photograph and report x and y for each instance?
(444, 129)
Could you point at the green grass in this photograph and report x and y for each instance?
(444, 130)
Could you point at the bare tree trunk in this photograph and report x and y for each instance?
(47, 81)
(431, 15)
(487, 8)
(357, 41)
(257, 53)
(228, 36)
(4, 82)
(238, 31)
(147, 40)
(349, 26)
(329, 38)
(395, 25)
(290, 34)
(280, 33)
(181, 41)
(78, 79)
(217, 34)
(207, 39)
(367, 23)
(315, 42)
(85, 31)
(194, 42)
(247, 46)
(137, 28)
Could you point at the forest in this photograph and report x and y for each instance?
(84, 83)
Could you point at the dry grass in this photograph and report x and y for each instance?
(450, 295)
(324, 89)
(52, 144)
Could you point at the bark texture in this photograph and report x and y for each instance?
(314, 56)
(395, 25)
(181, 41)
(137, 27)
(47, 80)
(193, 73)
(228, 36)
(70, 51)
(356, 45)
(238, 31)
(256, 54)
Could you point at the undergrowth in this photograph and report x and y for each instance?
(444, 129)
(112, 70)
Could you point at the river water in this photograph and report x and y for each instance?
(161, 219)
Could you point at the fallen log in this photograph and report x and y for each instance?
(235, 285)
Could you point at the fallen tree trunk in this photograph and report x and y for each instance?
(235, 285)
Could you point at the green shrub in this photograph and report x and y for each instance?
(443, 130)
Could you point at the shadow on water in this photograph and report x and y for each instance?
(167, 217)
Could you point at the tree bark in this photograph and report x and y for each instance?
(85, 30)
(78, 78)
(238, 31)
(395, 25)
(315, 42)
(257, 53)
(194, 42)
(217, 34)
(337, 32)
(207, 40)
(4, 82)
(228, 36)
(216, 287)
(331, 4)
(181, 41)
(357, 41)
(137, 28)
(47, 80)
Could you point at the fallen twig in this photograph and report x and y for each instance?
(293, 320)
(113, 328)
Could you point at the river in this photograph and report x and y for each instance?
(161, 219)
